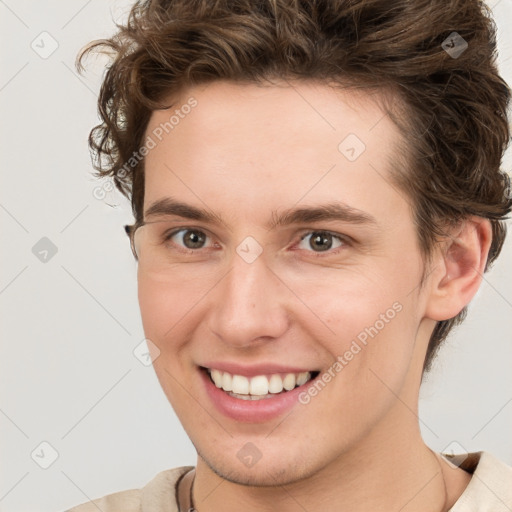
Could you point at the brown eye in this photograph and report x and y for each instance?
(321, 241)
(191, 238)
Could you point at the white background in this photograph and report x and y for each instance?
(70, 325)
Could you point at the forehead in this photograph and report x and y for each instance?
(270, 145)
(294, 111)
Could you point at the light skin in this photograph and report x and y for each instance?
(242, 152)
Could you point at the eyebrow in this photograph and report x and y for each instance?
(334, 210)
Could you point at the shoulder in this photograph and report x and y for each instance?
(157, 495)
(490, 487)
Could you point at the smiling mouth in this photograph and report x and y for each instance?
(258, 387)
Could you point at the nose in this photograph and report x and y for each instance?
(249, 304)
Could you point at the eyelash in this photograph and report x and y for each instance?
(344, 239)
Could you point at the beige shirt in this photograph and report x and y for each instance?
(489, 490)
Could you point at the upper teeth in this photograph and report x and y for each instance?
(259, 384)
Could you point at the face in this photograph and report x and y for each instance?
(307, 262)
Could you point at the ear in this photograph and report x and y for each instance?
(458, 268)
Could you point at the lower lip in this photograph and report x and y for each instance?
(251, 411)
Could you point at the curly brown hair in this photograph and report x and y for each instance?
(454, 118)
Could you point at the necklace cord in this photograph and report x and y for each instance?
(192, 506)
(443, 508)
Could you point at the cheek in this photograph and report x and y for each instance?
(166, 310)
(348, 305)
(163, 309)
(164, 304)
(373, 340)
(377, 351)
(369, 315)
(155, 304)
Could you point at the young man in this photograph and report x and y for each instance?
(317, 194)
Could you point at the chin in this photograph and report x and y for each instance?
(267, 473)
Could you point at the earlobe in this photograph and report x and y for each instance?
(461, 263)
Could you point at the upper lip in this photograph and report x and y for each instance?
(253, 369)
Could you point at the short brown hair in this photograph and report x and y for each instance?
(455, 105)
